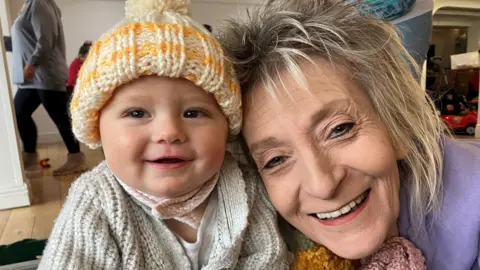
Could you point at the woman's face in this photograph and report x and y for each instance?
(326, 160)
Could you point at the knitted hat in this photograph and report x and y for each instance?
(157, 37)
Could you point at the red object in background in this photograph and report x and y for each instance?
(464, 123)
(475, 81)
(44, 163)
(474, 103)
(73, 71)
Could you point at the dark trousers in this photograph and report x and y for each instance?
(26, 101)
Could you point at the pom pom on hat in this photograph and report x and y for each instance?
(138, 8)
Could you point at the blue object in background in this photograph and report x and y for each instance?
(416, 32)
(416, 35)
(385, 9)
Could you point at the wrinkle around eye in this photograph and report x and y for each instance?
(260, 148)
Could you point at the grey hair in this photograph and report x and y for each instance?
(285, 33)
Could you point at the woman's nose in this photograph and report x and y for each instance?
(321, 178)
(169, 130)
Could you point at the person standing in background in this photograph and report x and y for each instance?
(40, 71)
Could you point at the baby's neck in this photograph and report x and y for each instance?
(183, 230)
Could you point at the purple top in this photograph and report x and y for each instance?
(453, 242)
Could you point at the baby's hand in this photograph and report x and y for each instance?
(396, 254)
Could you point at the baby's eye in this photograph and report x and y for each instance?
(137, 113)
(193, 114)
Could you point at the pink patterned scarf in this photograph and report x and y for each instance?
(180, 208)
(396, 254)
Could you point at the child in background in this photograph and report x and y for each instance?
(75, 66)
(158, 96)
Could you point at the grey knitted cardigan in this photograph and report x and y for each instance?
(102, 227)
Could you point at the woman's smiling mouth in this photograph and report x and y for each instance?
(345, 213)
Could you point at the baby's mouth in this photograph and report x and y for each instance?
(168, 160)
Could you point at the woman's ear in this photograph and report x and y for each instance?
(401, 152)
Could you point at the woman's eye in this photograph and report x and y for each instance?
(137, 114)
(341, 130)
(193, 114)
(275, 162)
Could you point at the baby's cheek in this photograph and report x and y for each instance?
(217, 157)
(214, 154)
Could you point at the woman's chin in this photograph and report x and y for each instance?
(354, 253)
(355, 249)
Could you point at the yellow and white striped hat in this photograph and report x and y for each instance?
(157, 37)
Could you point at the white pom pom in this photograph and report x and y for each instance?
(137, 8)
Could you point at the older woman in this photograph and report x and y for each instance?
(346, 141)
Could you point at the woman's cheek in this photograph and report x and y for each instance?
(373, 156)
(281, 195)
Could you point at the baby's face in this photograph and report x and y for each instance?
(163, 136)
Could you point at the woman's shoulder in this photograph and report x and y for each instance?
(460, 164)
(449, 243)
(461, 178)
(472, 144)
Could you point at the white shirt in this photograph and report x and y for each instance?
(199, 252)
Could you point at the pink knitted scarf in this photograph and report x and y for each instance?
(179, 208)
(396, 254)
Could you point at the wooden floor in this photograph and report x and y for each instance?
(48, 194)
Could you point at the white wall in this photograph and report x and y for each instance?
(445, 43)
(469, 21)
(15, 6)
(455, 21)
(473, 37)
(466, 4)
(13, 190)
(88, 19)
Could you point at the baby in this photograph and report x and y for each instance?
(156, 93)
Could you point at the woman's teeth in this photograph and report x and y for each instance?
(349, 207)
